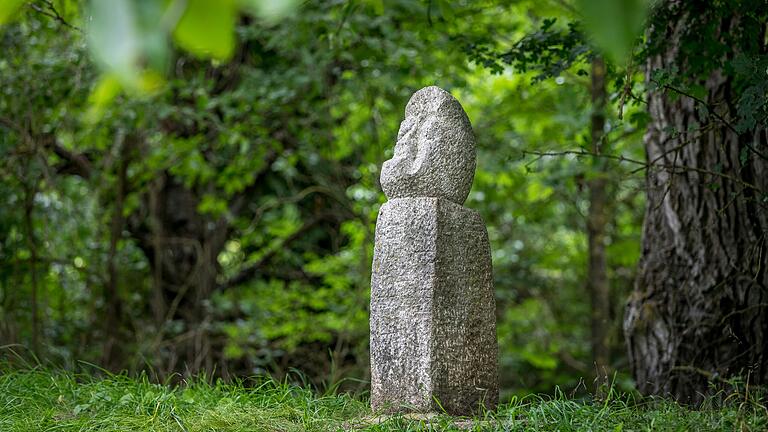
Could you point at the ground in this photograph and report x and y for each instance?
(43, 400)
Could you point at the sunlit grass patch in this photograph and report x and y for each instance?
(37, 399)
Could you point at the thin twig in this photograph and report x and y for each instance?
(51, 12)
(644, 165)
(619, 158)
(711, 109)
(669, 183)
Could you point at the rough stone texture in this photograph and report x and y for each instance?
(433, 325)
(435, 150)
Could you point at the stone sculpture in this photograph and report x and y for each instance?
(433, 325)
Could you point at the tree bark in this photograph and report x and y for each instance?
(697, 315)
(113, 310)
(29, 206)
(597, 279)
(182, 247)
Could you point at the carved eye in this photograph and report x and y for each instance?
(426, 130)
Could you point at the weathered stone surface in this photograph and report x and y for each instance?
(433, 325)
(435, 151)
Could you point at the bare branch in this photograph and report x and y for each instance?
(619, 158)
(77, 164)
(644, 165)
(254, 269)
(51, 12)
(714, 112)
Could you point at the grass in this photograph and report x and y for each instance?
(40, 400)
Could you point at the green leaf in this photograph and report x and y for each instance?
(378, 6)
(445, 9)
(207, 28)
(614, 25)
(213, 205)
(110, 85)
(744, 156)
(8, 8)
(271, 9)
(105, 91)
(113, 37)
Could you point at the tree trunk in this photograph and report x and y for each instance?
(113, 310)
(182, 247)
(597, 279)
(29, 206)
(698, 313)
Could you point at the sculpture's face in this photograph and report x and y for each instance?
(414, 146)
(435, 153)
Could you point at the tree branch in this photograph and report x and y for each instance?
(254, 269)
(711, 109)
(51, 12)
(619, 158)
(644, 165)
(77, 163)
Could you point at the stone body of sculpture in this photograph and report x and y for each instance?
(433, 325)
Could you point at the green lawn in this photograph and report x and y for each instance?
(42, 400)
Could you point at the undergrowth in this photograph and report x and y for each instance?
(43, 400)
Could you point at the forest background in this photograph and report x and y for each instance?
(195, 190)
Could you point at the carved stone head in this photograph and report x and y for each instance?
(435, 150)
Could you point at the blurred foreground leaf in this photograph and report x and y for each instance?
(131, 39)
(207, 28)
(113, 37)
(8, 8)
(614, 25)
(271, 9)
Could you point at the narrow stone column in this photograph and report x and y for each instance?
(433, 324)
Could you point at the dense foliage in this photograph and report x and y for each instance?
(259, 177)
